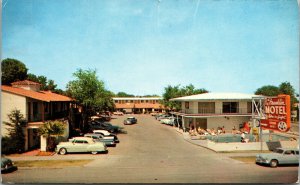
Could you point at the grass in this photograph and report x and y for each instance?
(51, 163)
(248, 159)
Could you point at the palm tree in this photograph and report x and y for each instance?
(51, 130)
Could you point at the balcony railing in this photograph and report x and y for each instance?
(216, 111)
(46, 116)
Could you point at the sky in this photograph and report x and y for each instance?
(140, 47)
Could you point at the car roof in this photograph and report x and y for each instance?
(82, 138)
(130, 117)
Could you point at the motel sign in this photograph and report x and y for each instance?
(278, 113)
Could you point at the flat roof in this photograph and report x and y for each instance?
(217, 96)
(137, 98)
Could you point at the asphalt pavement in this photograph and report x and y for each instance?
(151, 152)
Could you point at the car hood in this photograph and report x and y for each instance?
(268, 155)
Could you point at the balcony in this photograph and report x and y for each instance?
(47, 116)
(203, 111)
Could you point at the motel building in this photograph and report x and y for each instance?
(138, 104)
(213, 110)
(36, 106)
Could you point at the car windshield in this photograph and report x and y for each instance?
(280, 151)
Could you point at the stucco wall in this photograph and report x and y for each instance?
(10, 102)
(222, 147)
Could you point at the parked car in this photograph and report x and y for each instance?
(98, 125)
(118, 113)
(7, 165)
(80, 144)
(279, 157)
(162, 117)
(167, 120)
(106, 133)
(130, 121)
(108, 141)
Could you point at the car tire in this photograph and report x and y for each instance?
(94, 152)
(273, 163)
(63, 151)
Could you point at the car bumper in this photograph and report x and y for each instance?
(9, 169)
(262, 161)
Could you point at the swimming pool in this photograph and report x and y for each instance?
(230, 138)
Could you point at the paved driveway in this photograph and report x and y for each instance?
(152, 152)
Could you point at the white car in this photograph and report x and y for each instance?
(168, 121)
(103, 132)
(80, 144)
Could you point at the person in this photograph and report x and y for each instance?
(243, 137)
(223, 130)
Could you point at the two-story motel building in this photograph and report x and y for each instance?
(138, 104)
(213, 110)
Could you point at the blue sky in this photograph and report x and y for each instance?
(140, 47)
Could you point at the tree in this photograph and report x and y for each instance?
(12, 70)
(123, 94)
(51, 130)
(283, 88)
(89, 92)
(287, 88)
(15, 128)
(177, 91)
(268, 90)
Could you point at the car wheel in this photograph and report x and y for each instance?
(94, 153)
(63, 151)
(274, 163)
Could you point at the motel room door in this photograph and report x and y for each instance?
(201, 122)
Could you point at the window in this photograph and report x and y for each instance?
(116, 101)
(249, 107)
(206, 107)
(230, 107)
(297, 152)
(187, 105)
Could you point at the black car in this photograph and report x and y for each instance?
(130, 121)
(7, 165)
(96, 125)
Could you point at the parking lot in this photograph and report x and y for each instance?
(153, 152)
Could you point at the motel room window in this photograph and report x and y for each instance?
(206, 107)
(230, 107)
(142, 101)
(187, 105)
(116, 101)
(249, 107)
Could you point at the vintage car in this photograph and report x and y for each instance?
(278, 157)
(130, 121)
(106, 133)
(80, 144)
(7, 165)
(107, 140)
(100, 125)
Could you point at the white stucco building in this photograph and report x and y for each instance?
(213, 110)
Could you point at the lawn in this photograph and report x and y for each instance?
(51, 163)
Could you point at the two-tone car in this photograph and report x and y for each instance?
(105, 133)
(281, 156)
(80, 144)
(107, 140)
